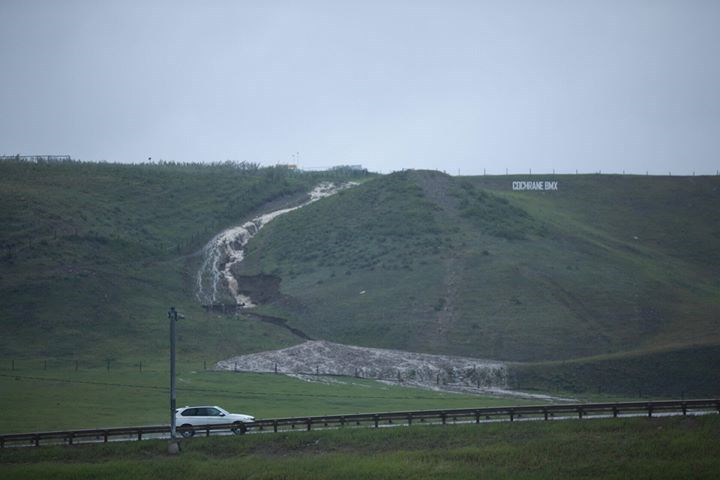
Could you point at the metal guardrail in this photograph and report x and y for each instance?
(375, 420)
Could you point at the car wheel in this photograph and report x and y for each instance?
(186, 431)
(238, 428)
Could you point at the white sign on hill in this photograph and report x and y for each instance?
(534, 185)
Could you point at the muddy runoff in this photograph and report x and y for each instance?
(322, 360)
(216, 280)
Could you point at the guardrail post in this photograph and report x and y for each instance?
(70, 438)
(512, 415)
(545, 413)
(615, 412)
(684, 408)
(443, 417)
(309, 423)
(477, 417)
(275, 426)
(409, 419)
(580, 413)
(342, 421)
(37, 440)
(375, 419)
(139, 435)
(650, 410)
(105, 436)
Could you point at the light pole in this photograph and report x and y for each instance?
(173, 317)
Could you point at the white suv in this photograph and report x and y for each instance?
(188, 417)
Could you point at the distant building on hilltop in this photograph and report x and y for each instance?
(37, 158)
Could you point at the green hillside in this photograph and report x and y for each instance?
(606, 277)
(426, 262)
(93, 254)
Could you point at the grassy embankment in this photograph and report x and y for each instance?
(608, 449)
(61, 398)
(613, 278)
(93, 255)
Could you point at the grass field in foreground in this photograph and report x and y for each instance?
(635, 448)
(43, 400)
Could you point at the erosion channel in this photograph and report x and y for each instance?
(215, 279)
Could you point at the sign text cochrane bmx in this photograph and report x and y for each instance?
(535, 185)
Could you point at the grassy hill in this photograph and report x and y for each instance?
(93, 254)
(607, 274)
(605, 265)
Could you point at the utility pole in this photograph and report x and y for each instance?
(174, 446)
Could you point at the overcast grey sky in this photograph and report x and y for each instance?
(450, 85)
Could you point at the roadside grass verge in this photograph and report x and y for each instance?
(43, 400)
(656, 448)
